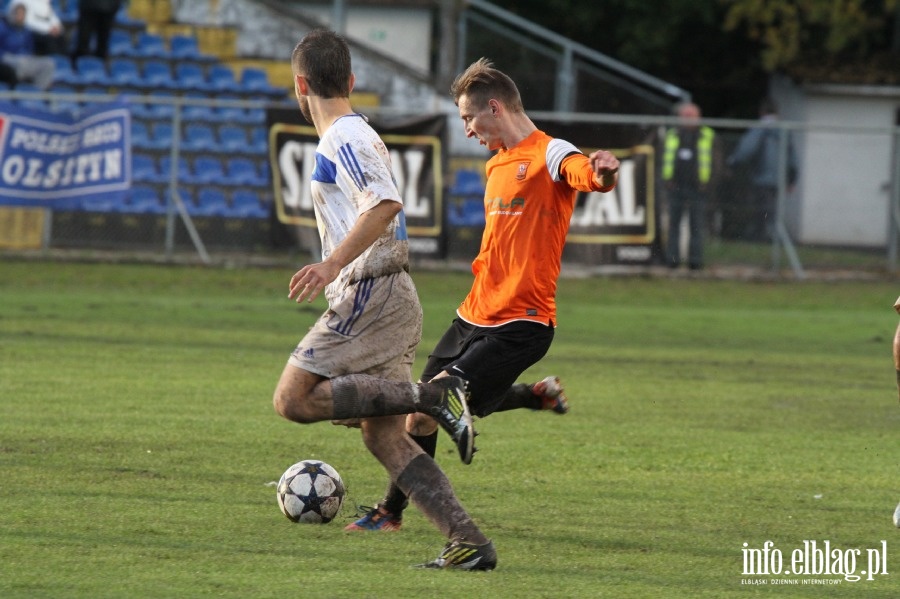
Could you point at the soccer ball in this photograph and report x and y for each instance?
(310, 491)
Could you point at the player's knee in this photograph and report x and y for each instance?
(420, 424)
(292, 407)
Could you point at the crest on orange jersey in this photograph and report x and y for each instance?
(523, 169)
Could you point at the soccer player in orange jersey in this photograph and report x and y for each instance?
(506, 322)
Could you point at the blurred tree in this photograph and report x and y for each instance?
(848, 41)
(680, 41)
(722, 51)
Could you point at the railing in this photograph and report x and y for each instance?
(177, 224)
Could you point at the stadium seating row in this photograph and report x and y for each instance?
(225, 139)
(222, 170)
(159, 75)
(151, 45)
(146, 199)
(205, 169)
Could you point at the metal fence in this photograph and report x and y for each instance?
(199, 212)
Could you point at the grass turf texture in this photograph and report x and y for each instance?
(138, 444)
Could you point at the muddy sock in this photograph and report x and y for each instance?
(364, 396)
(429, 489)
(395, 500)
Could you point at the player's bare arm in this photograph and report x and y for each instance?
(606, 168)
(310, 280)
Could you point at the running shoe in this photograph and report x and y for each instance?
(452, 412)
(551, 393)
(465, 556)
(376, 518)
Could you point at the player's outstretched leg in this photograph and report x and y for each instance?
(546, 394)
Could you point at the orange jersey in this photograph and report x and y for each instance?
(529, 199)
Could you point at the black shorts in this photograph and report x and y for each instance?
(490, 358)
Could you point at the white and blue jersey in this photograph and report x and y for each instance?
(353, 175)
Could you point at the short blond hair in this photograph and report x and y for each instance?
(481, 82)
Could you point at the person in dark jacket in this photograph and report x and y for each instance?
(758, 152)
(95, 22)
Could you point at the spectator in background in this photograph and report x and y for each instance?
(687, 169)
(95, 20)
(17, 49)
(758, 153)
(45, 24)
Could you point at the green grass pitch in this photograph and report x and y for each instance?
(138, 444)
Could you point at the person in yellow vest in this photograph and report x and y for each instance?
(687, 170)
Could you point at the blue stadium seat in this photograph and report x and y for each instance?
(221, 79)
(259, 140)
(184, 169)
(210, 202)
(124, 20)
(140, 135)
(468, 209)
(208, 169)
(101, 204)
(199, 138)
(248, 204)
(242, 171)
(467, 183)
(144, 199)
(160, 110)
(157, 74)
(233, 138)
(63, 72)
(144, 170)
(120, 43)
(90, 70)
(257, 80)
(189, 75)
(124, 72)
(186, 47)
(162, 134)
(38, 104)
(64, 106)
(231, 113)
(186, 197)
(151, 45)
(203, 113)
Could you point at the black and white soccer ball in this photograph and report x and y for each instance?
(310, 491)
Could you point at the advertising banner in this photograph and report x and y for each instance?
(417, 156)
(618, 227)
(53, 160)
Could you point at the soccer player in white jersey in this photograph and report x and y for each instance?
(355, 362)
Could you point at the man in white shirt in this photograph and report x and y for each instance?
(49, 33)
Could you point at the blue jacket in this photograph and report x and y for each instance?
(15, 40)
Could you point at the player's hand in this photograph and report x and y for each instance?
(310, 280)
(604, 164)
